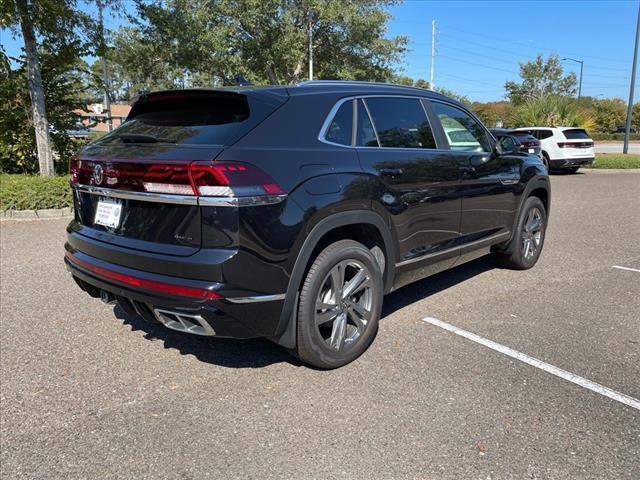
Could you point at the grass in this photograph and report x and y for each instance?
(616, 160)
(31, 192)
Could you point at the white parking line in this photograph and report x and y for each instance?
(558, 372)
(625, 268)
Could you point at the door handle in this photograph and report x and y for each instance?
(391, 172)
(469, 170)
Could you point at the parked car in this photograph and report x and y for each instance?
(517, 141)
(564, 148)
(289, 212)
(623, 129)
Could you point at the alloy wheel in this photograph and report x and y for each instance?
(343, 305)
(532, 233)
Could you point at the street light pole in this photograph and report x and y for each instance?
(581, 62)
(627, 128)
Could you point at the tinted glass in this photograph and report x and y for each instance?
(576, 134)
(365, 136)
(508, 144)
(462, 131)
(401, 123)
(339, 130)
(542, 134)
(198, 120)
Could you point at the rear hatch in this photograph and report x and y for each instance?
(139, 186)
(529, 143)
(578, 144)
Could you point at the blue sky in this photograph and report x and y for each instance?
(479, 44)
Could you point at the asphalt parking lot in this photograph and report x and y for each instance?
(89, 393)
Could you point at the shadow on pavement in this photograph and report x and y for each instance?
(257, 353)
(437, 283)
(254, 353)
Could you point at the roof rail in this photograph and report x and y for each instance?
(357, 82)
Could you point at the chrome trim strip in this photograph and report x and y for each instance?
(448, 250)
(257, 298)
(183, 199)
(240, 201)
(140, 196)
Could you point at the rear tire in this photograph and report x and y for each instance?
(545, 160)
(528, 240)
(340, 304)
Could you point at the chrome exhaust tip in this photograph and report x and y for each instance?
(184, 322)
(107, 298)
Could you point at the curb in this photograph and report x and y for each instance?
(610, 170)
(36, 214)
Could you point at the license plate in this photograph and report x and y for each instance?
(108, 213)
(531, 150)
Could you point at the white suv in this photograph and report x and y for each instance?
(566, 148)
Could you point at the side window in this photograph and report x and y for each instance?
(542, 134)
(339, 130)
(401, 122)
(462, 131)
(508, 144)
(365, 135)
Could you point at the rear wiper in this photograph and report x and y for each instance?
(142, 138)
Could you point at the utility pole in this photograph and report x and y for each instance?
(312, 19)
(105, 74)
(627, 130)
(310, 53)
(433, 53)
(581, 62)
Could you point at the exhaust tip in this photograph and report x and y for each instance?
(107, 298)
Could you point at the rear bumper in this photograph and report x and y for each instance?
(237, 313)
(571, 162)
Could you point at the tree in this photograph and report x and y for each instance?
(609, 114)
(49, 24)
(541, 79)
(553, 111)
(61, 85)
(492, 113)
(635, 117)
(182, 43)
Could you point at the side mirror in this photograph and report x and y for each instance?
(498, 150)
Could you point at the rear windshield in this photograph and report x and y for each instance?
(576, 134)
(187, 120)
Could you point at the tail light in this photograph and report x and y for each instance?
(210, 179)
(575, 144)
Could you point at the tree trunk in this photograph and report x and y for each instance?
(36, 90)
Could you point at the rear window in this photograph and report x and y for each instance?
(185, 119)
(576, 134)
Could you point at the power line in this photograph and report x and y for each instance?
(526, 45)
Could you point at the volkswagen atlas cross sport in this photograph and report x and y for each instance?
(289, 212)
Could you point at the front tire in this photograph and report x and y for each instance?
(340, 304)
(528, 238)
(572, 170)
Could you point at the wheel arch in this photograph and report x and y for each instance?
(353, 224)
(536, 187)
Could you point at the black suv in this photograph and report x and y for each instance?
(289, 212)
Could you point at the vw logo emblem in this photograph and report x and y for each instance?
(97, 174)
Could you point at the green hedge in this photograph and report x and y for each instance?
(616, 160)
(613, 136)
(29, 192)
